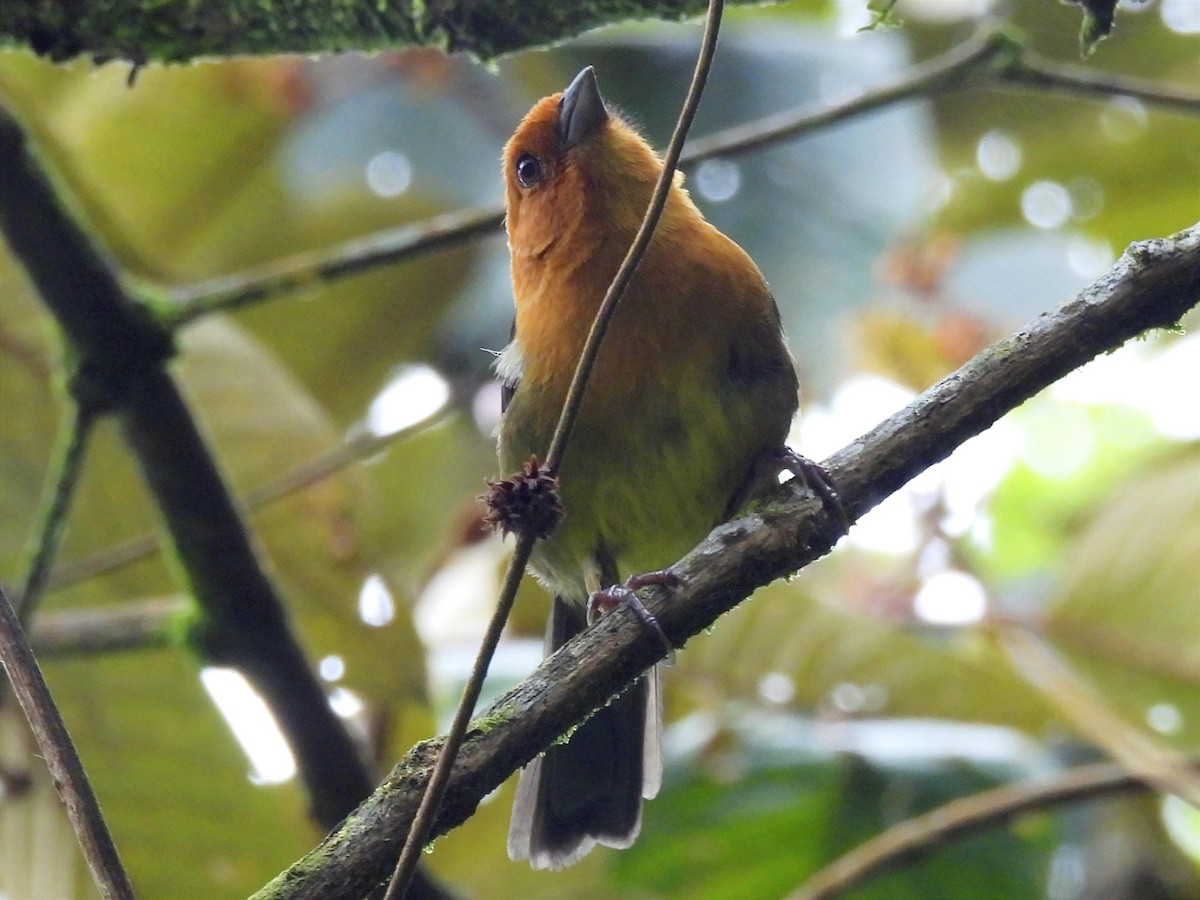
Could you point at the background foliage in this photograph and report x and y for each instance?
(858, 694)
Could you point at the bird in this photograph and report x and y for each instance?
(690, 402)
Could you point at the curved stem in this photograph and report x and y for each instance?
(54, 743)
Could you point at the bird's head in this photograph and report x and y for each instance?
(575, 172)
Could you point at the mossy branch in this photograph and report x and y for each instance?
(142, 31)
(1152, 285)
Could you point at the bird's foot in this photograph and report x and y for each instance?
(817, 479)
(606, 600)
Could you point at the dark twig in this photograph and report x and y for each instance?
(922, 835)
(55, 745)
(61, 484)
(431, 800)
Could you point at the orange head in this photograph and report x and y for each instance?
(575, 174)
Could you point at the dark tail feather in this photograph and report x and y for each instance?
(589, 791)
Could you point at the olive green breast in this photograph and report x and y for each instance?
(646, 478)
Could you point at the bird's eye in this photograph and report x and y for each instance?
(529, 170)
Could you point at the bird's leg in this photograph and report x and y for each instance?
(609, 598)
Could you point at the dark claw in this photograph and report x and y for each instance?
(817, 480)
(606, 600)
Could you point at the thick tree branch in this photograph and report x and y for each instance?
(1151, 286)
(121, 369)
(120, 355)
(139, 31)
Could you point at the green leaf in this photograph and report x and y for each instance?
(1126, 606)
(783, 632)
(787, 812)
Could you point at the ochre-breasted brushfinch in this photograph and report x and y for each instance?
(693, 389)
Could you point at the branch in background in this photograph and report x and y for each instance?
(60, 489)
(140, 31)
(355, 449)
(121, 357)
(122, 353)
(1079, 705)
(1152, 285)
(349, 258)
(70, 780)
(992, 57)
(1032, 71)
(922, 835)
(132, 625)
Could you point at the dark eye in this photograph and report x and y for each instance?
(529, 170)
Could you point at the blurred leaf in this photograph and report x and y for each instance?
(156, 164)
(764, 832)
(263, 424)
(360, 328)
(1127, 604)
(169, 774)
(1182, 822)
(911, 350)
(1081, 451)
(782, 631)
(29, 357)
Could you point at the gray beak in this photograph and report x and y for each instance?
(581, 110)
